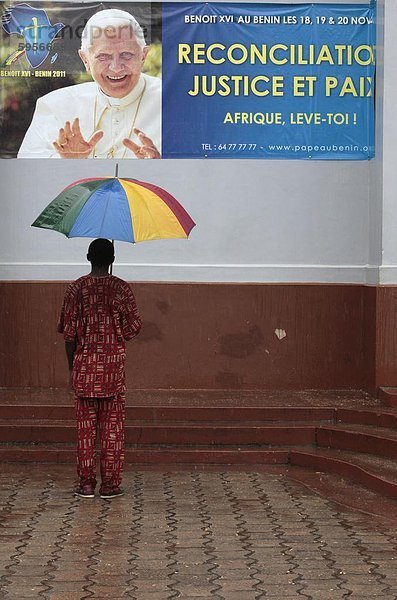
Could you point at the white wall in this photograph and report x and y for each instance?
(376, 165)
(256, 220)
(388, 270)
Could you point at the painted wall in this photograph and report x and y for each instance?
(254, 223)
(388, 271)
(263, 221)
(207, 336)
(257, 221)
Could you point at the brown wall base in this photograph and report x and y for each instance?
(219, 336)
(386, 336)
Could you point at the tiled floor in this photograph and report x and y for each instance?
(214, 534)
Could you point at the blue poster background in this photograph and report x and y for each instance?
(241, 124)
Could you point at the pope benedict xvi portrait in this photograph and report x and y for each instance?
(118, 115)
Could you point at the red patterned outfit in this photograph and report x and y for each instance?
(100, 315)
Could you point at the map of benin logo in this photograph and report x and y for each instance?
(34, 26)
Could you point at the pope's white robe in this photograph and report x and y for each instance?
(115, 116)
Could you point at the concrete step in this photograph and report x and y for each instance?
(365, 428)
(345, 492)
(365, 438)
(38, 453)
(385, 417)
(348, 435)
(182, 433)
(373, 472)
(358, 438)
(362, 437)
(388, 395)
(205, 398)
(149, 454)
(36, 412)
(197, 455)
(155, 414)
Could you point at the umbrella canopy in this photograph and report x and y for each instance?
(118, 209)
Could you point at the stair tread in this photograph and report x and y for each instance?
(378, 465)
(167, 424)
(37, 423)
(205, 398)
(160, 447)
(213, 447)
(383, 432)
(199, 409)
(389, 389)
(163, 446)
(347, 493)
(382, 467)
(231, 411)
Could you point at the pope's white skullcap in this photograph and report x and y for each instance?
(111, 18)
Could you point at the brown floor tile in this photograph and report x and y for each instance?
(186, 533)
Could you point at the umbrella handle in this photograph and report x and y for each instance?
(111, 266)
(116, 174)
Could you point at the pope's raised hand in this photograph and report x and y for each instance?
(71, 144)
(146, 147)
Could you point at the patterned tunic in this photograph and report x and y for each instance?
(100, 314)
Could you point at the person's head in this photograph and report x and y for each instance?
(101, 253)
(113, 50)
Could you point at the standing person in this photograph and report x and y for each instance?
(98, 316)
(104, 118)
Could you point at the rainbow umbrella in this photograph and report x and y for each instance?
(127, 210)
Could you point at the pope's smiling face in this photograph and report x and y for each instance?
(115, 60)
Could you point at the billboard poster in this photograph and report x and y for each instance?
(187, 80)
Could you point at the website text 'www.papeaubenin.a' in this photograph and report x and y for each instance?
(317, 148)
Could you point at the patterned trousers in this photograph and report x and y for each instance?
(107, 416)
